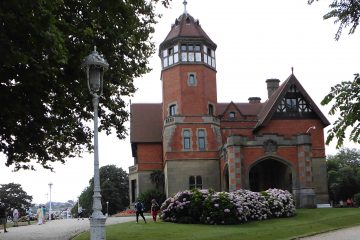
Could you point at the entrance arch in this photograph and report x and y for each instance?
(270, 173)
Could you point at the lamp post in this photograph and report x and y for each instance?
(107, 208)
(50, 185)
(94, 66)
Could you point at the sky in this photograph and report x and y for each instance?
(256, 40)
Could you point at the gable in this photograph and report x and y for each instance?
(290, 101)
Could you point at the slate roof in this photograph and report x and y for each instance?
(186, 27)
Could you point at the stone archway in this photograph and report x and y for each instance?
(270, 173)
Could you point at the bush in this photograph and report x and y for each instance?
(209, 207)
(357, 199)
(147, 196)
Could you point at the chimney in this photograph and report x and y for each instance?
(272, 84)
(254, 100)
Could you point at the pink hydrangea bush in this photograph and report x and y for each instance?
(281, 202)
(209, 207)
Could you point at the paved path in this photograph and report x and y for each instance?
(55, 230)
(352, 233)
(67, 228)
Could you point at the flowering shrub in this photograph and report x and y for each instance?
(209, 207)
(281, 202)
(255, 204)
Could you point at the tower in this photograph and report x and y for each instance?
(191, 132)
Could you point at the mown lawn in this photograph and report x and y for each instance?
(306, 222)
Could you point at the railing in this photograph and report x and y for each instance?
(133, 169)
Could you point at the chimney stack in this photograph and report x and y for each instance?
(254, 100)
(272, 85)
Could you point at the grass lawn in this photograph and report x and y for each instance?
(306, 222)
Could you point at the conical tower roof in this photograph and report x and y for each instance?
(186, 28)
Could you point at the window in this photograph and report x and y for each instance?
(172, 110)
(170, 56)
(294, 105)
(209, 56)
(201, 139)
(211, 110)
(232, 114)
(195, 182)
(133, 190)
(191, 79)
(186, 136)
(190, 53)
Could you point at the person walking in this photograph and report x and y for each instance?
(40, 215)
(139, 208)
(80, 213)
(3, 216)
(15, 217)
(154, 209)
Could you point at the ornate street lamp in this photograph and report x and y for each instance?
(95, 65)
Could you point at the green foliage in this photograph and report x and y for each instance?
(345, 12)
(114, 186)
(347, 102)
(344, 174)
(45, 102)
(147, 196)
(13, 196)
(157, 177)
(357, 199)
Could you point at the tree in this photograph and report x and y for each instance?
(157, 178)
(114, 184)
(345, 12)
(13, 196)
(44, 96)
(347, 102)
(344, 174)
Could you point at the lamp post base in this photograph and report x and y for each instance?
(97, 228)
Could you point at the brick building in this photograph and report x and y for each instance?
(200, 143)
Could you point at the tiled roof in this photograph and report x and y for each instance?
(246, 109)
(146, 122)
(187, 27)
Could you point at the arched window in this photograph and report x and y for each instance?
(232, 114)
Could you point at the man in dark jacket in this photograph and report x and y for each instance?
(3, 216)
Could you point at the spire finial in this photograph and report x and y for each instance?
(292, 70)
(185, 3)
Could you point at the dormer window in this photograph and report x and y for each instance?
(232, 114)
(294, 105)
